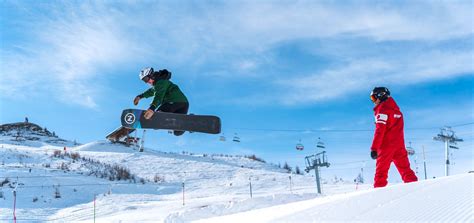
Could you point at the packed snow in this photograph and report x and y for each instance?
(59, 180)
(447, 199)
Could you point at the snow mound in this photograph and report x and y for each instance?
(30, 134)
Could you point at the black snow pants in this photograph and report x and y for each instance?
(175, 107)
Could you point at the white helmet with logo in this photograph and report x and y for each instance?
(145, 72)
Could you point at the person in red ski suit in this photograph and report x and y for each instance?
(389, 145)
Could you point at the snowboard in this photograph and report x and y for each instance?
(134, 119)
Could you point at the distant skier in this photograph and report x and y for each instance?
(389, 145)
(165, 93)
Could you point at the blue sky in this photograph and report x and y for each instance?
(72, 66)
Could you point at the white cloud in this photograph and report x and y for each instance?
(367, 73)
(265, 23)
(447, 114)
(195, 35)
(65, 56)
(70, 44)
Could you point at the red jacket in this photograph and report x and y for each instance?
(388, 126)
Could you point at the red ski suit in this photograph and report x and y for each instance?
(390, 144)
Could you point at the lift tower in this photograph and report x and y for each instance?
(315, 161)
(447, 136)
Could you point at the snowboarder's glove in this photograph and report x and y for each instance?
(136, 100)
(148, 114)
(373, 154)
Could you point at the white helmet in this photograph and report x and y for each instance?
(145, 72)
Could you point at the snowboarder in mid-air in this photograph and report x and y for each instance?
(165, 93)
(389, 145)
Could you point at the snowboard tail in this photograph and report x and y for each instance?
(134, 119)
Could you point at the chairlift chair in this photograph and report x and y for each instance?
(299, 146)
(236, 138)
(320, 145)
(410, 150)
(222, 138)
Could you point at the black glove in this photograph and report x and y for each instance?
(373, 154)
(137, 99)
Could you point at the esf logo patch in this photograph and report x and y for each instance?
(129, 118)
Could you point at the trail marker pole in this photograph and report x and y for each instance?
(250, 183)
(94, 206)
(14, 204)
(291, 186)
(183, 192)
(424, 162)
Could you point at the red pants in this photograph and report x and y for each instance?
(399, 157)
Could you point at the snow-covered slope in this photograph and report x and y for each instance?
(41, 168)
(53, 184)
(447, 199)
(27, 133)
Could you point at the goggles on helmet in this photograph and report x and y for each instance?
(373, 98)
(146, 79)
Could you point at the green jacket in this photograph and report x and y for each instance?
(164, 91)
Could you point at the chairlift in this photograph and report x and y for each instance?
(410, 150)
(320, 144)
(299, 146)
(222, 138)
(236, 138)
